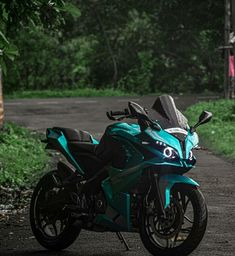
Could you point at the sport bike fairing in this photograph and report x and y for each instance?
(167, 151)
(157, 142)
(119, 182)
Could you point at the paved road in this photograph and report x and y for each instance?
(216, 176)
(83, 113)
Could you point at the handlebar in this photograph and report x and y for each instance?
(120, 113)
(123, 114)
(136, 112)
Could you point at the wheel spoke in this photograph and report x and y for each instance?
(186, 205)
(42, 218)
(52, 220)
(167, 243)
(55, 228)
(188, 219)
(186, 230)
(44, 226)
(170, 243)
(183, 201)
(61, 226)
(175, 238)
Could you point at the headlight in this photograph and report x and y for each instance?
(191, 155)
(169, 152)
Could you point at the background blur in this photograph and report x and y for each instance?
(134, 46)
(54, 54)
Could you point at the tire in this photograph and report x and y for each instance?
(69, 233)
(188, 238)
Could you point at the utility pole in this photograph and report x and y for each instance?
(227, 27)
(232, 91)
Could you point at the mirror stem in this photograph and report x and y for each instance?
(192, 129)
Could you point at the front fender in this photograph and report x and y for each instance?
(166, 182)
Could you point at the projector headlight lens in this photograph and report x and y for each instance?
(169, 152)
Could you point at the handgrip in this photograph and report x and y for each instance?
(122, 114)
(119, 113)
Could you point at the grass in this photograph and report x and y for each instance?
(219, 134)
(82, 92)
(22, 156)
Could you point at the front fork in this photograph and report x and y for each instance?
(155, 195)
(161, 186)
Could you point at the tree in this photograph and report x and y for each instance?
(138, 46)
(16, 13)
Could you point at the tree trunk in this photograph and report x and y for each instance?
(110, 51)
(1, 101)
(232, 93)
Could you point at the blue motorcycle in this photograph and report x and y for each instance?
(132, 180)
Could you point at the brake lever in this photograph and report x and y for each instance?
(110, 116)
(122, 117)
(117, 118)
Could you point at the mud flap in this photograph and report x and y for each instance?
(166, 182)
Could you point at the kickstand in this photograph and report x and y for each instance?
(123, 240)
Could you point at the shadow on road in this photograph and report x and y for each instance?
(49, 253)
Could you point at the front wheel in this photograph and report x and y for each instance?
(50, 220)
(183, 227)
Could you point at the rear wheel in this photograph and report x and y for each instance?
(51, 222)
(183, 227)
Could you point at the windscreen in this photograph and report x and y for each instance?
(167, 113)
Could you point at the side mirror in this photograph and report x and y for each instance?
(137, 111)
(205, 117)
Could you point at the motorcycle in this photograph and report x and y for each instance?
(132, 180)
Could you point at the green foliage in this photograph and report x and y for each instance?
(17, 13)
(84, 92)
(219, 133)
(22, 156)
(136, 46)
(51, 62)
(7, 50)
(139, 78)
(71, 9)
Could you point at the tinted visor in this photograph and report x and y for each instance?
(167, 113)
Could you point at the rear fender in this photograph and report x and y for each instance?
(166, 182)
(57, 140)
(65, 169)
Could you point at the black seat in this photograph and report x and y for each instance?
(81, 147)
(75, 135)
(91, 157)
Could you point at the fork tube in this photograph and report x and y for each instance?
(158, 201)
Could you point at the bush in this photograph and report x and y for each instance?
(22, 156)
(219, 133)
(139, 78)
(47, 62)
